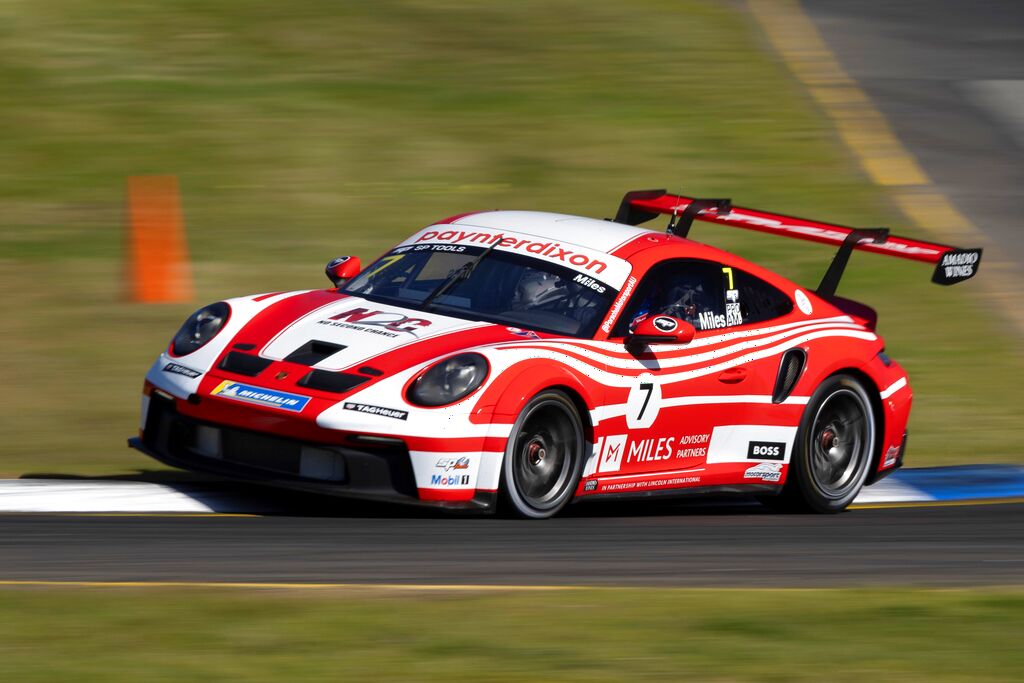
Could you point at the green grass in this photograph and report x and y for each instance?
(587, 635)
(308, 129)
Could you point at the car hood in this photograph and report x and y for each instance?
(332, 332)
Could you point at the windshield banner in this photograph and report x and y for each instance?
(596, 264)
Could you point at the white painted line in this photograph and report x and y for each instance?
(54, 495)
(891, 491)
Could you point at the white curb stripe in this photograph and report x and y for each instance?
(50, 495)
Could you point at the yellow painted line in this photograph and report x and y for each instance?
(411, 587)
(865, 131)
(454, 588)
(938, 503)
(858, 123)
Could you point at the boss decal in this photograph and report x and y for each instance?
(176, 369)
(766, 450)
(665, 323)
(377, 410)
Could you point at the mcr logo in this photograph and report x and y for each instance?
(395, 322)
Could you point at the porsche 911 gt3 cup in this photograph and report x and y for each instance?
(522, 360)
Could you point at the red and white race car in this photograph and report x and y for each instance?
(526, 360)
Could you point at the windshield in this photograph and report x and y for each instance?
(504, 288)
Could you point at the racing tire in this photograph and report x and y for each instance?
(543, 457)
(833, 451)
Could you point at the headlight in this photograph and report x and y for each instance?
(450, 380)
(200, 328)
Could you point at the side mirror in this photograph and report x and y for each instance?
(661, 329)
(342, 269)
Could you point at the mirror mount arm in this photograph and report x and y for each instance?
(636, 343)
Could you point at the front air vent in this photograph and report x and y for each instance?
(792, 365)
(312, 352)
(244, 363)
(336, 382)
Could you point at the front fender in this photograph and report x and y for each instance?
(525, 380)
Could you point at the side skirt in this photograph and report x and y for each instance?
(697, 491)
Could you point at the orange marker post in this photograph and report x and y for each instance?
(158, 268)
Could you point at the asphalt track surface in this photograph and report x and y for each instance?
(949, 76)
(606, 545)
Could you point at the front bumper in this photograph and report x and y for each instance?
(379, 471)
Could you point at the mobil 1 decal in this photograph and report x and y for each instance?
(644, 402)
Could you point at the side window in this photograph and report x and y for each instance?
(687, 289)
(758, 300)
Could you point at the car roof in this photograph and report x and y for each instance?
(608, 236)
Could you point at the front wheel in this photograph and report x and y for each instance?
(543, 457)
(834, 448)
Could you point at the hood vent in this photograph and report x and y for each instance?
(312, 352)
(337, 382)
(244, 363)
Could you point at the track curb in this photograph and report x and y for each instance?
(917, 486)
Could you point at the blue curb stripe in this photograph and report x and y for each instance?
(964, 482)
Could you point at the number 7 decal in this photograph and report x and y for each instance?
(643, 403)
(648, 387)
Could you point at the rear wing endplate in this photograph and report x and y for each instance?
(952, 264)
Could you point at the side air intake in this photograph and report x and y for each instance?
(792, 365)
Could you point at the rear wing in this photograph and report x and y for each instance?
(952, 264)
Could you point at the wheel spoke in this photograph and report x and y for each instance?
(840, 435)
(546, 445)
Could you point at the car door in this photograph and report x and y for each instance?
(749, 445)
(678, 397)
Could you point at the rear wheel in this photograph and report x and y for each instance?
(834, 448)
(543, 457)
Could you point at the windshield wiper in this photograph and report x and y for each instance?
(459, 275)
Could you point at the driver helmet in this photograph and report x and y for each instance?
(538, 289)
(685, 301)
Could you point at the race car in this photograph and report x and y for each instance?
(519, 361)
